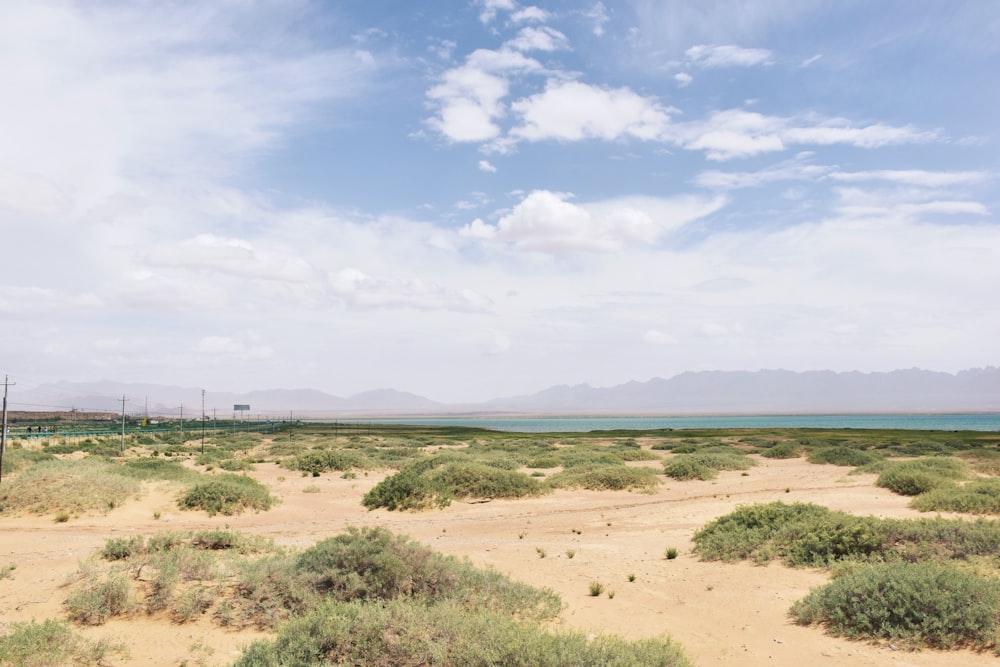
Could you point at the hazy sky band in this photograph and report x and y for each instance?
(475, 199)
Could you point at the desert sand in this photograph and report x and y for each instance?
(722, 614)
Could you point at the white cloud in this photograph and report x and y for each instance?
(599, 15)
(490, 8)
(571, 111)
(683, 79)
(736, 133)
(530, 14)
(919, 177)
(809, 61)
(487, 166)
(543, 38)
(469, 97)
(360, 290)
(546, 222)
(795, 169)
(727, 56)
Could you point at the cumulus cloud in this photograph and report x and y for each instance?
(469, 97)
(683, 79)
(727, 56)
(571, 111)
(547, 222)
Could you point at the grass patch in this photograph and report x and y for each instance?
(978, 497)
(67, 487)
(918, 604)
(53, 643)
(227, 494)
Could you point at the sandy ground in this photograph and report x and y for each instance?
(722, 614)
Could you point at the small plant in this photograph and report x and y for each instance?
(540, 551)
(611, 595)
(62, 517)
(631, 578)
(312, 488)
(156, 515)
(596, 588)
(7, 570)
(570, 553)
(671, 553)
(520, 535)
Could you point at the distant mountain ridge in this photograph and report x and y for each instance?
(701, 392)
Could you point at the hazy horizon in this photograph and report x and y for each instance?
(497, 197)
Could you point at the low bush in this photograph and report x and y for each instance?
(475, 480)
(842, 455)
(978, 497)
(227, 494)
(613, 477)
(811, 535)
(98, 600)
(320, 461)
(782, 450)
(16, 458)
(53, 643)
(684, 467)
(706, 463)
(920, 604)
(911, 478)
(404, 633)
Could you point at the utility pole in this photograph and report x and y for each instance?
(203, 421)
(182, 421)
(124, 398)
(3, 424)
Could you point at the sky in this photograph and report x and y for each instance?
(474, 199)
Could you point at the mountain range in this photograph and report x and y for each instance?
(702, 392)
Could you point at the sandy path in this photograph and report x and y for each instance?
(721, 614)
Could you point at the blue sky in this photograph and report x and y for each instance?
(476, 199)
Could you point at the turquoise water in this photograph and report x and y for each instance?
(921, 422)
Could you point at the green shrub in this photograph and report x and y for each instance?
(16, 458)
(922, 604)
(403, 633)
(157, 469)
(685, 466)
(596, 588)
(842, 456)
(782, 450)
(612, 477)
(474, 480)
(99, 600)
(911, 478)
(811, 535)
(407, 489)
(320, 461)
(227, 494)
(53, 643)
(978, 497)
(120, 548)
